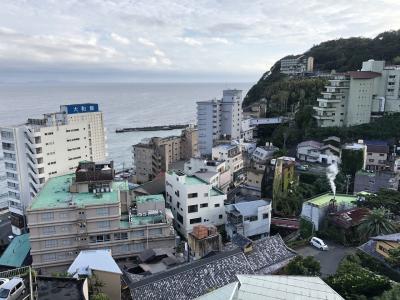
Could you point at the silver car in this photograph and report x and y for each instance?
(12, 289)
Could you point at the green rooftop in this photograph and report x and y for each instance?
(150, 198)
(16, 252)
(55, 194)
(324, 199)
(193, 180)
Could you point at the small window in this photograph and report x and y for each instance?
(193, 208)
(220, 216)
(265, 216)
(216, 205)
(202, 205)
(195, 220)
(192, 195)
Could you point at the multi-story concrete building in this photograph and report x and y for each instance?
(249, 218)
(153, 156)
(353, 98)
(233, 157)
(193, 201)
(215, 172)
(377, 155)
(89, 210)
(218, 119)
(297, 65)
(47, 147)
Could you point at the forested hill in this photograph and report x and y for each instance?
(340, 55)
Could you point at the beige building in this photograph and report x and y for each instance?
(89, 210)
(154, 156)
(355, 97)
(50, 146)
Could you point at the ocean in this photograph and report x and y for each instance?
(123, 105)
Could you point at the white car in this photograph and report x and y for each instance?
(12, 289)
(3, 281)
(318, 243)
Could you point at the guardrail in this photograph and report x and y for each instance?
(14, 272)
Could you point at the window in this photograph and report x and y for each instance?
(192, 195)
(102, 211)
(137, 247)
(137, 233)
(216, 205)
(202, 205)
(220, 217)
(178, 204)
(50, 243)
(195, 220)
(64, 215)
(179, 218)
(103, 224)
(265, 216)
(49, 257)
(193, 208)
(205, 194)
(155, 231)
(253, 218)
(120, 236)
(47, 216)
(371, 160)
(49, 230)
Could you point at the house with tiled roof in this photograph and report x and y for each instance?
(202, 276)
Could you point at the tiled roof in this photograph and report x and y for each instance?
(363, 74)
(377, 146)
(395, 237)
(198, 278)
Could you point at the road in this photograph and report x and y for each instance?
(330, 259)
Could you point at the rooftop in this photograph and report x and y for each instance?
(363, 74)
(55, 194)
(258, 287)
(395, 237)
(324, 199)
(16, 252)
(194, 180)
(50, 288)
(88, 260)
(150, 198)
(199, 277)
(249, 208)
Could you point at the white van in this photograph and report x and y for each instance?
(12, 289)
(318, 243)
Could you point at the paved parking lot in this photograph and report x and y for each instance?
(330, 259)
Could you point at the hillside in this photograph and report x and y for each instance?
(340, 55)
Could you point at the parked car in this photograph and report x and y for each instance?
(318, 243)
(3, 281)
(12, 289)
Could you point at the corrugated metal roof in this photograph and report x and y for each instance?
(88, 260)
(16, 252)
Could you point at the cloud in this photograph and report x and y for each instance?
(120, 39)
(191, 41)
(220, 40)
(158, 52)
(146, 42)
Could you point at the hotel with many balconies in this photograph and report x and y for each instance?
(90, 210)
(355, 97)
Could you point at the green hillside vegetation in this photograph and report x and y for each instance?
(341, 55)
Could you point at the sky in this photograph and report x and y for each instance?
(173, 40)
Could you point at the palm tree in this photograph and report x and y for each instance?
(376, 223)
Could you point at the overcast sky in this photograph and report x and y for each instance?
(173, 40)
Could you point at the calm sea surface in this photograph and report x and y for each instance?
(123, 105)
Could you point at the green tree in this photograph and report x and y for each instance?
(376, 223)
(100, 296)
(393, 294)
(394, 258)
(388, 199)
(308, 266)
(352, 281)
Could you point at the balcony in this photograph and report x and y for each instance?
(322, 108)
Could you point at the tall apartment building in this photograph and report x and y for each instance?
(89, 210)
(47, 147)
(297, 65)
(153, 156)
(219, 119)
(193, 201)
(353, 98)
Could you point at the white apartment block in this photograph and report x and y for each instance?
(297, 65)
(88, 210)
(353, 98)
(47, 147)
(193, 201)
(232, 155)
(216, 173)
(218, 119)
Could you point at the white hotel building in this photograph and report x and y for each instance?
(51, 146)
(193, 201)
(218, 119)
